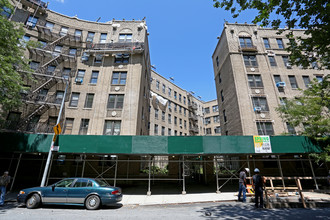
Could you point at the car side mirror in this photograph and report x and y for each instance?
(53, 187)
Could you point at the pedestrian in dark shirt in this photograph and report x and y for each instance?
(4, 181)
(242, 184)
(258, 183)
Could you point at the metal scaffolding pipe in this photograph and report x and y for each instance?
(149, 191)
(18, 162)
(280, 166)
(116, 167)
(217, 174)
(310, 162)
(183, 177)
(83, 168)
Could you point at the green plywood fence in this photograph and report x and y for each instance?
(157, 145)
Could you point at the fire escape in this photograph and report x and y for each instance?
(53, 68)
(193, 118)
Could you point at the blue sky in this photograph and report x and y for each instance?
(183, 34)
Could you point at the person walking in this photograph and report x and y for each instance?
(4, 181)
(242, 184)
(258, 183)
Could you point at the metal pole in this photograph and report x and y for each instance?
(205, 172)
(50, 149)
(83, 168)
(12, 183)
(48, 174)
(127, 168)
(310, 162)
(183, 178)
(149, 192)
(248, 162)
(217, 174)
(114, 184)
(279, 165)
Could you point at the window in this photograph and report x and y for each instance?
(255, 81)
(125, 38)
(156, 113)
(307, 81)
(266, 43)
(280, 43)
(224, 115)
(169, 132)
(89, 100)
(180, 97)
(216, 119)
(217, 130)
(32, 21)
(175, 120)
(72, 51)
(95, 75)
(50, 70)
(175, 133)
(115, 101)
(24, 40)
(122, 58)
(42, 95)
(169, 118)
(83, 183)
(74, 99)
(90, 37)
(222, 97)
(175, 107)
(66, 73)
(184, 112)
(250, 60)
(272, 60)
(180, 109)
(164, 88)
(112, 127)
(169, 92)
(65, 182)
(319, 78)
(207, 110)
(58, 50)
(103, 38)
(184, 100)
(283, 101)
(215, 108)
(185, 124)
(260, 102)
(163, 116)
(180, 121)
(293, 82)
(83, 126)
(207, 121)
(64, 31)
(78, 34)
(80, 76)
(286, 61)
(265, 128)
(175, 94)
(156, 130)
(208, 131)
(49, 25)
(43, 44)
(315, 65)
(68, 125)
(157, 84)
(163, 130)
(5, 12)
(98, 58)
(291, 129)
(34, 65)
(277, 78)
(119, 78)
(169, 106)
(217, 60)
(59, 97)
(245, 42)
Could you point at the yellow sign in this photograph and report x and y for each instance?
(54, 138)
(57, 129)
(262, 144)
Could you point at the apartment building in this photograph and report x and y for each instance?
(253, 76)
(211, 118)
(173, 110)
(102, 70)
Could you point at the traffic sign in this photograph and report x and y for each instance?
(57, 129)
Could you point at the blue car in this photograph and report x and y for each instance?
(92, 193)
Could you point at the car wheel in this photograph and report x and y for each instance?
(92, 202)
(33, 201)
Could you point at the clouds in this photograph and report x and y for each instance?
(61, 1)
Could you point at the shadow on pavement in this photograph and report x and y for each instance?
(7, 206)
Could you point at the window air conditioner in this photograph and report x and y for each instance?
(288, 65)
(280, 84)
(257, 109)
(78, 80)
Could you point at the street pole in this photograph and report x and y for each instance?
(50, 149)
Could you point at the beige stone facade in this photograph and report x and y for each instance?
(108, 67)
(211, 118)
(253, 76)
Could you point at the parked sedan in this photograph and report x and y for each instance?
(92, 193)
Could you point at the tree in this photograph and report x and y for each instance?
(311, 111)
(11, 60)
(311, 15)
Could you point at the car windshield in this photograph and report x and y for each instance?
(101, 182)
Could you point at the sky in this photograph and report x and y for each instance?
(182, 34)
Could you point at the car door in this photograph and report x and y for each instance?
(57, 193)
(78, 192)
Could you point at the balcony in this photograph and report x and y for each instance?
(132, 47)
(192, 106)
(36, 4)
(193, 117)
(194, 129)
(247, 48)
(43, 100)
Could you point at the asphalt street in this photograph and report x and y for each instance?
(216, 210)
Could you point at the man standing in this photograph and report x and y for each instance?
(4, 181)
(242, 184)
(258, 183)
